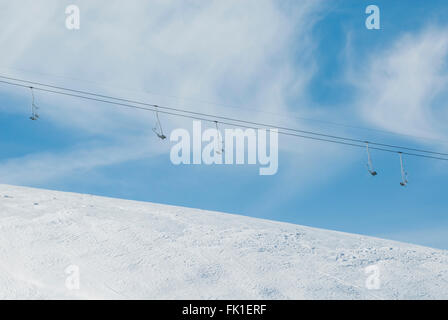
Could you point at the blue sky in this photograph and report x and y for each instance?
(278, 62)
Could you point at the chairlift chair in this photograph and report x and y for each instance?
(369, 162)
(34, 116)
(158, 127)
(219, 150)
(404, 174)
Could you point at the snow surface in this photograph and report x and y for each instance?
(136, 250)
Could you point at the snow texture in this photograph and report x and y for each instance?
(136, 250)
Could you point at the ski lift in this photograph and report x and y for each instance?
(34, 108)
(220, 143)
(369, 161)
(158, 126)
(404, 174)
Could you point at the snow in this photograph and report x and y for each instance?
(136, 250)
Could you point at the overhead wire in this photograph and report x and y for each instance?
(288, 115)
(225, 120)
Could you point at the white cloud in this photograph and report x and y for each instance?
(400, 88)
(226, 51)
(234, 52)
(49, 166)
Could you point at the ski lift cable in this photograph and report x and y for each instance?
(284, 115)
(227, 123)
(232, 119)
(288, 115)
(225, 118)
(209, 118)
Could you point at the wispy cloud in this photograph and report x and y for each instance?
(44, 167)
(401, 87)
(231, 52)
(237, 53)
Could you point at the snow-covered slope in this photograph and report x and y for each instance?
(126, 249)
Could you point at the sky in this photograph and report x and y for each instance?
(311, 65)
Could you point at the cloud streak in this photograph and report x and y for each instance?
(228, 51)
(43, 167)
(400, 88)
